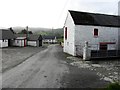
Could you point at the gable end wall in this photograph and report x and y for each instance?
(69, 43)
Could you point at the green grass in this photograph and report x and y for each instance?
(113, 86)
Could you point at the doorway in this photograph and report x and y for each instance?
(9, 42)
(40, 43)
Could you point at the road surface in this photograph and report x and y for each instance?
(48, 69)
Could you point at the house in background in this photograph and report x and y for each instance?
(49, 39)
(6, 38)
(99, 30)
(24, 40)
(20, 40)
(34, 40)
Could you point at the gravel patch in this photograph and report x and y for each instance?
(108, 70)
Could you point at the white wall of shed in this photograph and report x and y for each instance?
(86, 33)
(19, 43)
(69, 43)
(32, 43)
(4, 44)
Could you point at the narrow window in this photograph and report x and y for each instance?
(65, 32)
(95, 32)
(3, 40)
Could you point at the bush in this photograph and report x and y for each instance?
(113, 86)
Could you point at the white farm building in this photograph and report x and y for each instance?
(6, 38)
(102, 32)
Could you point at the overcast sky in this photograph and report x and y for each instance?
(49, 13)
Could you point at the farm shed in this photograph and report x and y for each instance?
(20, 40)
(6, 38)
(34, 40)
(101, 31)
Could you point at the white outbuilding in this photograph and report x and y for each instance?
(100, 31)
(20, 40)
(34, 40)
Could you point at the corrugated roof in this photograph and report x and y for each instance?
(6, 34)
(85, 18)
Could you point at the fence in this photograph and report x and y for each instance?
(96, 52)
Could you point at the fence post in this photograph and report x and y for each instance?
(86, 52)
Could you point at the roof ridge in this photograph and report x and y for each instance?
(93, 13)
(85, 18)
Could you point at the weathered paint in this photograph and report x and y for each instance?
(4, 43)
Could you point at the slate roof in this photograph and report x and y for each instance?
(32, 37)
(6, 34)
(85, 18)
(48, 37)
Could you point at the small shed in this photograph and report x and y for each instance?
(21, 40)
(34, 40)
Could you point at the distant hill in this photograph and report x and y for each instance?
(18, 29)
(43, 31)
(55, 32)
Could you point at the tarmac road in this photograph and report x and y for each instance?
(48, 69)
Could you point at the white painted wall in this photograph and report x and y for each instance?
(55, 40)
(32, 43)
(119, 8)
(4, 43)
(119, 28)
(78, 34)
(18, 43)
(49, 41)
(85, 33)
(69, 44)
